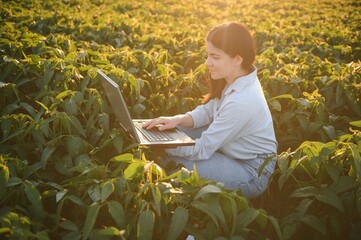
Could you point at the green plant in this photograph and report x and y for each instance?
(68, 171)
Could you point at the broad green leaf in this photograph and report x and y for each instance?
(64, 164)
(47, 76)
(120, 185)
(330, 131)
(345, 137)
(28, 108)
(304, 122)
(5, 127)
(90, 220)
(206, 209)
(118, 143)
(214, 203)
(212, 208)
(194, 178)
(345, 183)
(315, 223)
(276, 105)
(34, 197)
(311, 148)
(41, 235)
(283, 162)
(65, 121)
(78, 97)
(75, 145)
(133, 169)
(104, 121)
(305, 192)
(100, 61)
(246, 217)
(208, 189)
(286, 118)
(44, 127)
(69, 225)
(356, 157)
(327, 148)
(46, 154)
(145, 225)
(60, 195)
(333, 171)
(127, 157)
(83, 160)
(266, 161)
(139, 108)
(71, 107)
(94, 193)
(287, 96)
(355, 123)
(289, 230)
(108, 231)
(178, 222)
(64, 94)
(229, 207)
(117, 212)
(76, 123)
(302, 208)
(284, 177)
(75, 199)
(329, 197)
(243, 203)
(10, 108)
(304, 102)
(13, 181)
(106, 189)
(262, 218)
(157, 197)
(60, 52)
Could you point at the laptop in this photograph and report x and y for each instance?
(150, 138)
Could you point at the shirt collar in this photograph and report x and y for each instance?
(240, 83)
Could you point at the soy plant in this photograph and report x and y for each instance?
(319, 182)
(150, 207)
(122, 199)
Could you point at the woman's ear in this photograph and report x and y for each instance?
(238, 60)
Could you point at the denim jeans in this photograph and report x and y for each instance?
(233, 173)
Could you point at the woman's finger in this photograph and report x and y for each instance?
(153, 123)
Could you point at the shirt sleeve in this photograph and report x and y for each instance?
(202, 115)
(227, 126)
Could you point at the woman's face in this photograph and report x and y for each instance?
(221, 65)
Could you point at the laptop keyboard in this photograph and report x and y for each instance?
(153, 135)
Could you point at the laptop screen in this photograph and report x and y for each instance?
(118, 104)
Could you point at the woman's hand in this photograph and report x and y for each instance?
(164, 123)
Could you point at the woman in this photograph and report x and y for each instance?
(233, 129)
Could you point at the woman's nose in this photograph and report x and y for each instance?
(208, 62)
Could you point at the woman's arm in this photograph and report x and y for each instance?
(164, 123)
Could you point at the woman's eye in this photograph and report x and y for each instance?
(213, 57)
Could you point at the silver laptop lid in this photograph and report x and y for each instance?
(118, 104)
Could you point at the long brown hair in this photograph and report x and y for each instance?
(234, 39)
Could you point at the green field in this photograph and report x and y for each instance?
(68, 171)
